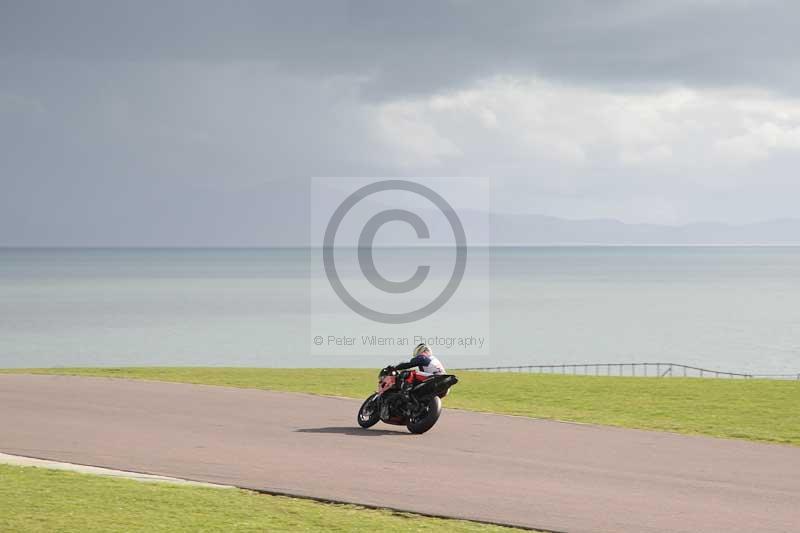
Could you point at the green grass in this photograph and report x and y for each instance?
(759, 410)
(41, 500)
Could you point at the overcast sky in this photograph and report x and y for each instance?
(197, 123)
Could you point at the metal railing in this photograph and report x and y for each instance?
(660, 370)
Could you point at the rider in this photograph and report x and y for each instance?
(424, 360)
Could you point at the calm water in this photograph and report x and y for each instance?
(718, 307)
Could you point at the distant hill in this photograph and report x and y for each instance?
(530, 230)
(539, 229)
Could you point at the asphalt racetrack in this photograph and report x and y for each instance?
(534, 473)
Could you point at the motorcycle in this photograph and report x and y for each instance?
(408, 398)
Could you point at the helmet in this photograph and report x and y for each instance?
(421, 347)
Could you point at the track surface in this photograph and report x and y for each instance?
(534, 473)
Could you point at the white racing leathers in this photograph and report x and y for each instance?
(428, 364)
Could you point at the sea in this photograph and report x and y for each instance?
(732, 308)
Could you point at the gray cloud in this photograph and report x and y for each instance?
(427, 46)
(196, 122)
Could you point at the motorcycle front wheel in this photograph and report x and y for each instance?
(425, 421)
(370, 412)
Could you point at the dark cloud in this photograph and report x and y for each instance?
(418, 47)
(162, 154)
(198, 122)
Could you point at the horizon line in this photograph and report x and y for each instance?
(403, 246)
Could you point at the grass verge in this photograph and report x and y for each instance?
(41, 500)
(759, 410)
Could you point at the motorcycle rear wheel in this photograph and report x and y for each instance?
(369, 414)
(428, 419)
